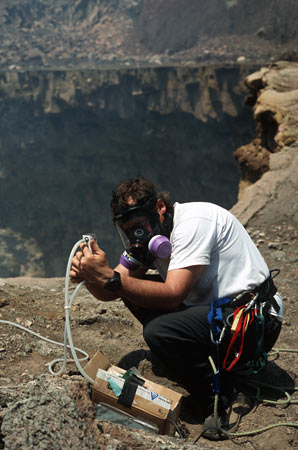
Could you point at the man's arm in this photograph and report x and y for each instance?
(158, 295)
(95, 269)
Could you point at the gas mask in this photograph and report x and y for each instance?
(140, 230)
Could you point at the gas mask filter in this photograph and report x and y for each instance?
(158, 247)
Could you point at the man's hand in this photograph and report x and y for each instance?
(93, 267)
(90, 266)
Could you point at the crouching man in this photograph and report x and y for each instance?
(202, 254)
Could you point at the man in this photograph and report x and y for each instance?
(210, 256)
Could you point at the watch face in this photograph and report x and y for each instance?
(114, 283)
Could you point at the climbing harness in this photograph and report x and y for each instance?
(243, 317)
(247, 317)
(249, 310)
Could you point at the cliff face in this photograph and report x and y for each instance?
(68, 138)
(274, 91)
(173, 26)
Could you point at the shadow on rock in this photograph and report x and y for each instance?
(134, 358)
(145, 360)
(271, 385)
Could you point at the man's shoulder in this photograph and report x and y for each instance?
(184, 211)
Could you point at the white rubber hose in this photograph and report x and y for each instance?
(68, 342)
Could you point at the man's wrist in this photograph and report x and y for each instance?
(114, 283)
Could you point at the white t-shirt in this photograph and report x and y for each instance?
(206, 234)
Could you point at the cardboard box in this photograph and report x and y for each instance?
(152, 402)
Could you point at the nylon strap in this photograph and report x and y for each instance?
(215, 317)
(128, 393)
(241, 321)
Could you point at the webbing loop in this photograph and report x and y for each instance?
(243, 317)
(237, 324)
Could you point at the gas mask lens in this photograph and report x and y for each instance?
(136, 229)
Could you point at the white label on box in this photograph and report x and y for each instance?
(141, 391)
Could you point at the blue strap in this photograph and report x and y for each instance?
(215, 315)
(216, 324)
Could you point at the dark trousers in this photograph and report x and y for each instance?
(181, 340)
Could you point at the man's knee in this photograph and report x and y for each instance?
(156, 332)
(150, 333)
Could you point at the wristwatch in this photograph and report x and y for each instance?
(113, 283)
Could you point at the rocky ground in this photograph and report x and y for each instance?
(37, 410)
(37, 34)
(38, 305)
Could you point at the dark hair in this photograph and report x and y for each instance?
(138, 189)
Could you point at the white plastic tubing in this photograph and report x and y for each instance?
(68, 342)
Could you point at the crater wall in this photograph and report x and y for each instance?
(67, 138)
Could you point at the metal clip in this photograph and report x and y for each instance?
(239, 297)
(222, 334)
(252, 303)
